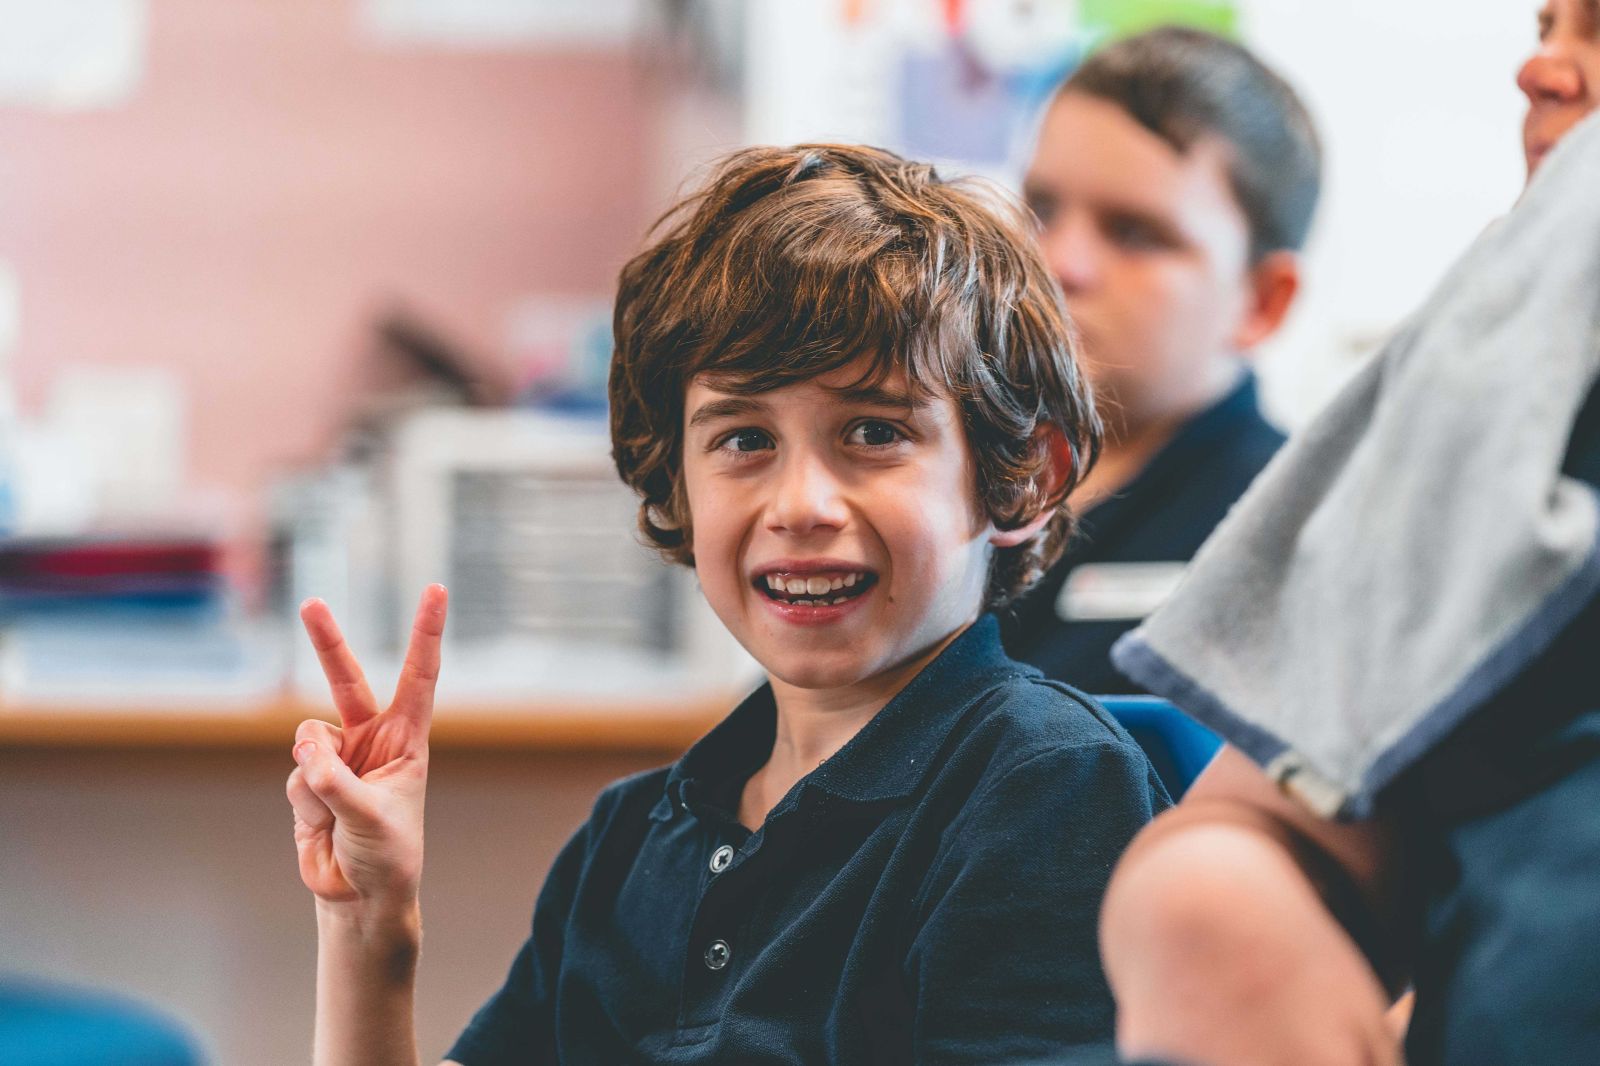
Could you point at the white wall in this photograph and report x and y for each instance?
(1421, 122)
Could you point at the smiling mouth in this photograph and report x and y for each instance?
(815, 590)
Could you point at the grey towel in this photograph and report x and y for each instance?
(1411, 550)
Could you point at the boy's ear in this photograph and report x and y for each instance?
(1056, 473)
(1273, 284)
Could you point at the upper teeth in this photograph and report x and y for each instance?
(812, 586)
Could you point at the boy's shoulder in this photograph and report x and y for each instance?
(1041, 710)
(1027, 715)
(1038, 760)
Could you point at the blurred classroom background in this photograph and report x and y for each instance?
(313, 299)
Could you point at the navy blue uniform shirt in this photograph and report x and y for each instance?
(927, 895)
(1130, 547)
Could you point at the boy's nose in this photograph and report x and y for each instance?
(1551, 75)
(806, 497)
(1073, 252)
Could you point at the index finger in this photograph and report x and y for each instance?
(345, 680)
(419, 675)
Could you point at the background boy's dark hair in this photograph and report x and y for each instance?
(1185, 85)
(793, 262)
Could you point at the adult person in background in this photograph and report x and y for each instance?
(1384, 820)
(1174, 181)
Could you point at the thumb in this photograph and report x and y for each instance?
(329, 779)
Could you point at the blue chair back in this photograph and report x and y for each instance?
(50, 1025)
(1178, 746)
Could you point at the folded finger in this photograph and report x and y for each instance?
(308, 809)
(333, 783)
(419, 675)
(327, 734)
(351, 693)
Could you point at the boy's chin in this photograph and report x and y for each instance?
(820, 673)
(853, 667)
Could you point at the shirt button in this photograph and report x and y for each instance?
(721, 859)
(717, 955)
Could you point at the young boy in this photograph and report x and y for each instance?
(1174, 179)
(845, 390)
(1250, 926)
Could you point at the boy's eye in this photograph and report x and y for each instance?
(745, 440)
(1135, 234)
(875, 434)
(1043, 208)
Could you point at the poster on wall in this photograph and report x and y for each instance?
(951, 80)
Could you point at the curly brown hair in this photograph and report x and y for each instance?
(790, 263)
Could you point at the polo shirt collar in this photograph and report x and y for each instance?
(886, 760)
(1188, 448)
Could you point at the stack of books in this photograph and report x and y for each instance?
(97, 621)
(101, 575)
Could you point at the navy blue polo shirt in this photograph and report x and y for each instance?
(1130, 548)
(927, 895)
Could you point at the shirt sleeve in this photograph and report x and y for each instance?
(1005, 966)
(517, 1024)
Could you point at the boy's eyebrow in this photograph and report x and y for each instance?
(859, 395)
(728, 407)
(878, 396)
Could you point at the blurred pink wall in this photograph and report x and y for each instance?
(276, 179)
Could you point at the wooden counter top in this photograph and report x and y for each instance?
(569, 726)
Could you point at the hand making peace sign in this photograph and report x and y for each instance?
(358, 790)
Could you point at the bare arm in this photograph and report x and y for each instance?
(366, 970)
(357, 794)
(1231, 927)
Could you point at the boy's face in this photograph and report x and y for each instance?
(1562, 78)
(861, 508)
(1151, 250)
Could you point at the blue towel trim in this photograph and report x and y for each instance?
(1134, 657)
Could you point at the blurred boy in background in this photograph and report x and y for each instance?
(1174, 180)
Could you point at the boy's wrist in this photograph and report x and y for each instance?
(389, 931)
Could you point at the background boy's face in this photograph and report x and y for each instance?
(1151, 250)
(1562, 78)
(867, 509)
